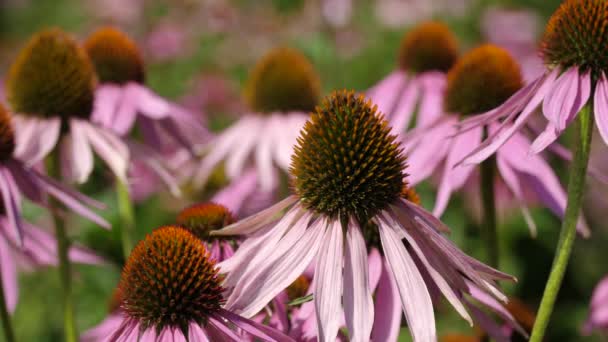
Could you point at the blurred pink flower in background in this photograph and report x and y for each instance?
(337, 13)
(166, 41)
(598, 309)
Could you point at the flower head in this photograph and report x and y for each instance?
(52, 77)
(201, 219)
(115, 56)
(430, 46)
(171, 290)
(283, 80)
(169, 280)
(576, 35)
(481, 80)
(346, 161)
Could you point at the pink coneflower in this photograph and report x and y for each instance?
(574, 73)
(348, 174)
(598, 309)
(482, 78)
(171, 291)
(50, 87)
(34, 249)
(282, 88)
(122, 99)
(426, 54)
(18, 180)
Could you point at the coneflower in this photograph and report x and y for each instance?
(574, 86)
(426, 53)
(348, 176)
(51, 88)
(171, 291)
(482, 79)
(282, 88)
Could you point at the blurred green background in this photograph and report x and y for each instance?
(220, 42)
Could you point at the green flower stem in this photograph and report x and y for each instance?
(63, 246)
(489, 229)
(576, 184)
(9, 335)
(127, 216)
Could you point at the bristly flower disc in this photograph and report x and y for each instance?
(346, 162)
(283, 80)
(169, 280)
(115, 56)
(430, 46)
(7, 135)
(577, 35)
(482, 80)
(201, 219)
(52, 76)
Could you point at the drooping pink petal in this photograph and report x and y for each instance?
(568, 96)
(438, 279)
(386, 92)
(263, 156)
(415, 299)
(358, 304)
(600, 106)
(240, 152)
(257, 221)
(546, 138)
(387, 308)
(35, 138)
(8, 268)
(255, 329)
(488, 325)
(431, 105)
(404, 110)
(103, 329)
(11, 201)
(197, 333)
(233, 196)
(108, 146)
(148, 103)
(107, 99)
(284, 270)
(531, 95)
(77, 156)
(222, 329)
(287, 135)
(374, 261)
(328, 283)
(513, 183)
(454, 177)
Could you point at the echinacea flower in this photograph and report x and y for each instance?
(51, 88)
(122, 99)
(18, 180)
(171, 291)
(480, 80)
(598, 309)
(426, 54)
(575, 77)
(283, 87)
(203, 218)
(348, 175)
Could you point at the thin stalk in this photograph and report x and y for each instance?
(63, 246)
(489, 229)
(127, 216)
(576, 184)
(9, 335)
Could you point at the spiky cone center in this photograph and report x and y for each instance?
(201, 219)
(284, 80)
(482, 80)
(346, 163)
(170, 280)
(7, 135)
(52, 77)
(115, 56)
(577, 35)
(299, 288)
(430, 46)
